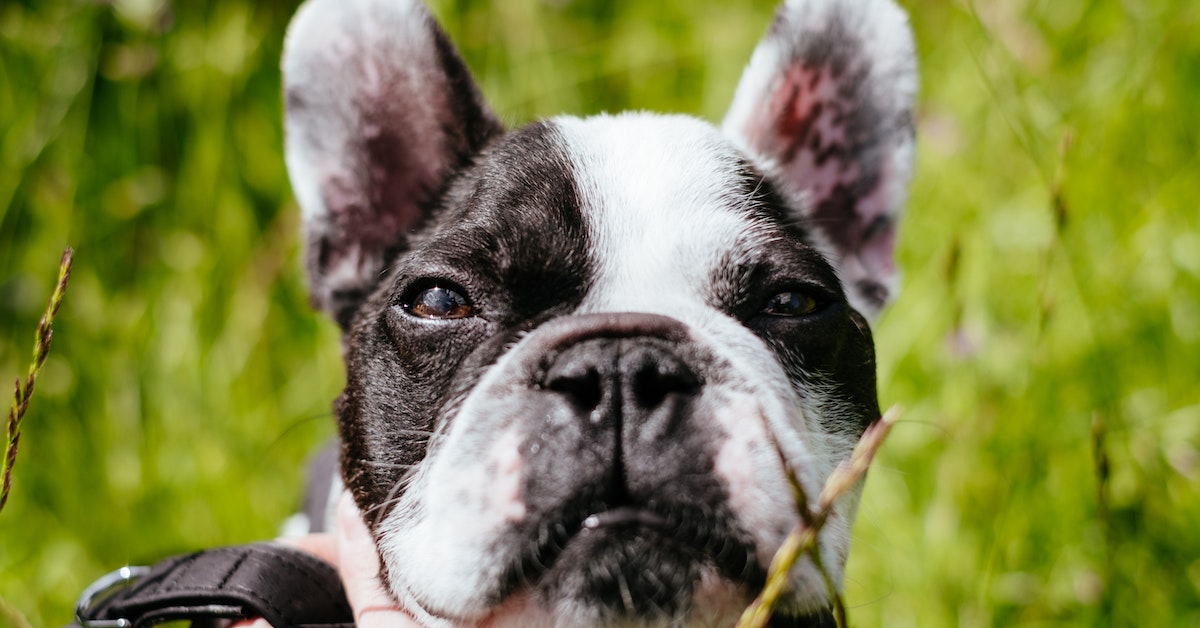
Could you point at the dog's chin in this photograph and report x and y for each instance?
(626, 566)
(626, 572)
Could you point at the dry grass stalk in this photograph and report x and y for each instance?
(803, 538)
(24, 392)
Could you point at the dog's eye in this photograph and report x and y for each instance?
(790, 304)
(438, 302)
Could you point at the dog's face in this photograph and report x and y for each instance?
(582, 355)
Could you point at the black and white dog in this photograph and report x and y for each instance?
(581, 354)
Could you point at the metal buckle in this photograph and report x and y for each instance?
(103, 587)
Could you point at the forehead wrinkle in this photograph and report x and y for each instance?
(665, 198)
(732, 277)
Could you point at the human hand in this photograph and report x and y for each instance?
(352, 550)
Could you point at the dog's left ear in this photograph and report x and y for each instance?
(381, 111)
(825, 107)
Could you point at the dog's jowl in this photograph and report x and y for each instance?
(581, 354)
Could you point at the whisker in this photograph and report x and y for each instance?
(385, 465)
(380, 510)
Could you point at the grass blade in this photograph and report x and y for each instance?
(23, 392)
(803, 538)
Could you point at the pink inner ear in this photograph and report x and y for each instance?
(795, 109)
(357, 225)
(878, 250)
(807, 113)
(829, 141)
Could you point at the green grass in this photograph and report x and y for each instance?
(1052, 283)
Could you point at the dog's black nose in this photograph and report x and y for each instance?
(621, 379)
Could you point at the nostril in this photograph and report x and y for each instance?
(654, 380)
(581, 386)
(619, 377)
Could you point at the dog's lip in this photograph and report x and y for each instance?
(681, 531)
(623, 515)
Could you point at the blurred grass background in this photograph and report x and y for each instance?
(1049, 321)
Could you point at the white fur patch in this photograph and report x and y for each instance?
(438, 542)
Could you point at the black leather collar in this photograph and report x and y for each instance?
(287, 587)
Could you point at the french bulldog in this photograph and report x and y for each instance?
(583, 355)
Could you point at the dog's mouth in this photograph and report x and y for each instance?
(624, 515)
(632, 560)
(642, 561)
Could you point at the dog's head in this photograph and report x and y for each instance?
(582, 354)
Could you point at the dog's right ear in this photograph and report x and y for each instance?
(380, 111)
(826, 107)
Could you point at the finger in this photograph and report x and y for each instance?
(323, 545)
(358, 563)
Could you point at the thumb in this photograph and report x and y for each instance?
(358, 564)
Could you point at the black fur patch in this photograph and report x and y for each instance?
(511, 236)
